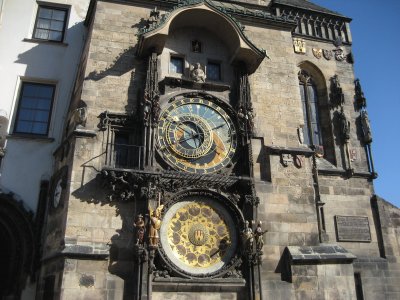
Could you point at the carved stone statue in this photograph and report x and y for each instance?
(337, 96)
(197, 73)
(248, 237)
(196, 46)
(154, 226)
(155, 110)
(246, 119)
(366, 127)
(360, 99)
(140, 227)
(344, 126)
(80, 116)
(154, 17)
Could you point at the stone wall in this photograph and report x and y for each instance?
(102, 230)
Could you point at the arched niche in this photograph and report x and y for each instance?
(18, 246)
(318, 78)
(204, 16)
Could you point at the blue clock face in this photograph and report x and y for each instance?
(197, 136)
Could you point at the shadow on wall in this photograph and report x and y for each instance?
(125, 62)
(122, 242)
(53, 60)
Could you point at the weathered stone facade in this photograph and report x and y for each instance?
(298, 190)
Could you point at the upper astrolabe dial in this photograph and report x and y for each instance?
(196, 135)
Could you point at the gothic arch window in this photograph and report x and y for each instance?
(309, 99)
(317, 130)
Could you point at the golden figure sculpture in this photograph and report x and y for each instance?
(154, 225)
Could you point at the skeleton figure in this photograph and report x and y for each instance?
(259, 236)
(146, 108)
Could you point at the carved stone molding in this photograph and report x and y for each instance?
(244, 106)
(123, 185)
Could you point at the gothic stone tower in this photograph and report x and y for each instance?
(214, 150)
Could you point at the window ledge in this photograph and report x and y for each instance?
(55, 43)
(30, 137)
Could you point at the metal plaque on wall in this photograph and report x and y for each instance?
(352, 229)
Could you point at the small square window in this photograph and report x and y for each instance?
(34, 108)
(50, 24)
(214, 71)
(176, 65)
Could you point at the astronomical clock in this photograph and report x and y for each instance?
(197, 137)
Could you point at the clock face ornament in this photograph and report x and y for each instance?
(198, 236)
(197, 136)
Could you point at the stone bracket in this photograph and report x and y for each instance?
(276, 150)
(323, 254)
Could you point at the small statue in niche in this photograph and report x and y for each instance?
(197, 73)
(80, 116)
(366, 127)
(361, 102)
(344, 126)
(140, 227)
(154, 226)
(337, 96)
(258, 234)
(248, 237)
(196, 46)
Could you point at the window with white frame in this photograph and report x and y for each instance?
(34, 108)
(50, 23)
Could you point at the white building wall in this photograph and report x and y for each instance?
(29, 160)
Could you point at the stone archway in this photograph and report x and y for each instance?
(17, 249)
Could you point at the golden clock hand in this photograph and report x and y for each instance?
(218, 142)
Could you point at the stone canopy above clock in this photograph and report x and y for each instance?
(205, 16)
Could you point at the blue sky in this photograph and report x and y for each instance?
(376, 47)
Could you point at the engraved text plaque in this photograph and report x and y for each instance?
(352, 229)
